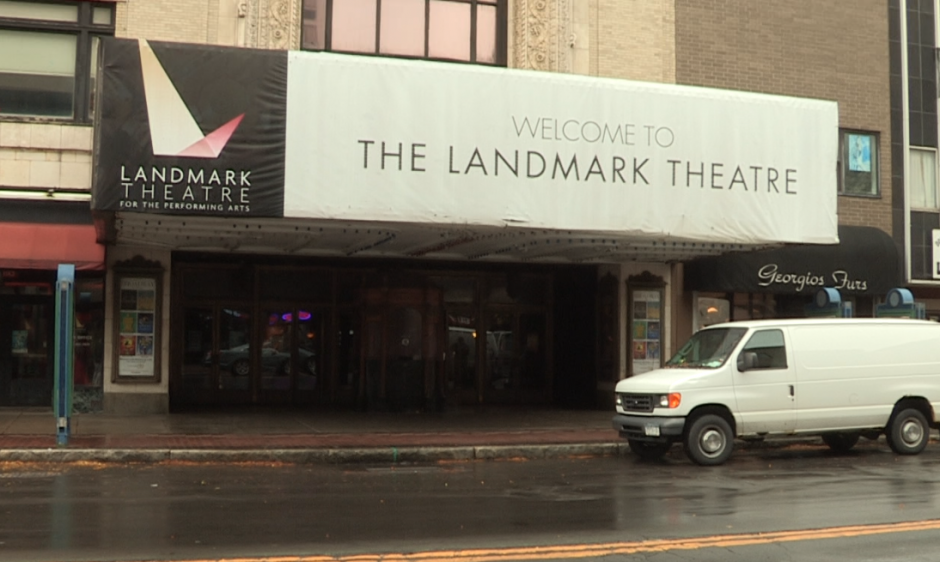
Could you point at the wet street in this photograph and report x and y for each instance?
(615, 506)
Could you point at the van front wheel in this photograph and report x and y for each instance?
(709, 440)
(908, 432)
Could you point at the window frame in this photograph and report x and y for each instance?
(780, 350)
(875, 159)
(85, 30)
(501, 32)
(936, 187)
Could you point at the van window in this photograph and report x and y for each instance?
(708, 348)
(770, 350)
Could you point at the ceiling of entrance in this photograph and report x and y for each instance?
(298, 237)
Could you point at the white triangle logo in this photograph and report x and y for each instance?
(173, 130)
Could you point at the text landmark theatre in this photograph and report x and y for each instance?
(533, 164)
(162, 187)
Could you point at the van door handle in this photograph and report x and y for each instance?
(791, 391)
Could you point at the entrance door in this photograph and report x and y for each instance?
(224, 362)
(217, 359)
(460, 378)
(404, 353)
(26, 350)
(292, 350)
(405, 357)
(516, 356)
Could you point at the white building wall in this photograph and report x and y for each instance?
(38, 158)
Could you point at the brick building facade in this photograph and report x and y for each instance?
(801, 49)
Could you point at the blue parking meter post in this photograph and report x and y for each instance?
(64, 322)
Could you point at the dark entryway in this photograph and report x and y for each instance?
(374, 338)
(26, 350)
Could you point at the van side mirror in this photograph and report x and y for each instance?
(747, 361)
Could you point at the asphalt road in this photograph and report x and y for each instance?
(868, 505)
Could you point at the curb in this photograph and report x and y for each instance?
(393, 455)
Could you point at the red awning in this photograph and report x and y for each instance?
(45, 246)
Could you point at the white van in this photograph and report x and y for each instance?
(837, 378)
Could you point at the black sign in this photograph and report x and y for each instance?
(190, 129)
(865, 262)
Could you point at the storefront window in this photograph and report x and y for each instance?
(710, 310)
(88, 345)
(30, 341)
(754, 306)
(26, 361)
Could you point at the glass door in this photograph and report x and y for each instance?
(460, 367)
(275, 351)
(516, 356)
(311, 350)
(233, 358)
(404, 349)
(404, 359)
(26, 351)
(217, 356)
(292, 351)
(348, 387)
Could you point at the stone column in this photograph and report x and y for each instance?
(542, 36)
(272, 24)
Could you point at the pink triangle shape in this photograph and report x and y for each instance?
(212, 144)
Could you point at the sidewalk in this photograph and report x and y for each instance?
(307, 436)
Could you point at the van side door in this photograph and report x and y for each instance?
(764, 378)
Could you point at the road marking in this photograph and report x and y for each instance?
(605, 549)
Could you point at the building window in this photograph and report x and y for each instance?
(452, 30)
(48, 57)
(858, 164)
(923, 178)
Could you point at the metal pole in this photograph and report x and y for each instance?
(64, 322)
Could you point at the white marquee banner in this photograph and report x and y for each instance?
(419, 142)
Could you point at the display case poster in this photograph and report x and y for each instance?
(647, 331)
(138, 298)
(20, 342)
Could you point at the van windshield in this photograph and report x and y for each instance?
(707, 349)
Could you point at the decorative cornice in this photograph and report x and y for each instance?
(252, 10)
(542, 37)
(564, 39)
(272, 24)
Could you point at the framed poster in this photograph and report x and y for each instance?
(137, 296)
(645, 302)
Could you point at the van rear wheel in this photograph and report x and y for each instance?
(709, 440)
(841, 442)
(648, 450)
(908, 432)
